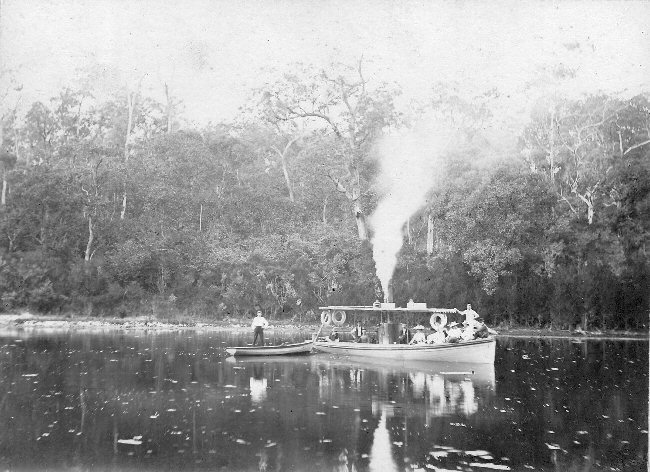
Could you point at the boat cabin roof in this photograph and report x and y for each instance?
(383, 309)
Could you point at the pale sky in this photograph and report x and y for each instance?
(212, 52)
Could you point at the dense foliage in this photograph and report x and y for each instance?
(107, 208)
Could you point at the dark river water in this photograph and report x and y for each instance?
(175, 401)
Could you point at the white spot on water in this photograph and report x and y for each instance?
(133, 442)
(489, 466)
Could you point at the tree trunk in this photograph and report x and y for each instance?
(429, 235)
(360, 219)
(408, 230)
(3, 198)
(91, 237)
(130, 105)
(16, 143)
(588, 200)
(359, 216)
(283, 160)
(169, 110)
(285, 171)
(123, 212)
(551, 153)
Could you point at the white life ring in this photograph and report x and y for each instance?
(438, 321)
(338, 317)
(326, 318)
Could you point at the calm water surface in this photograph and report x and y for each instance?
(175, 401)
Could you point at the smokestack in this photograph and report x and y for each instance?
(388, 296)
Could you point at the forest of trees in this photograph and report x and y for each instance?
(117, 207)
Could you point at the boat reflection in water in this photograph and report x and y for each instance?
(415, 405)
(431, 389)
(383, 415)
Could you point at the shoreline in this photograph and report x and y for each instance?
(28, 321)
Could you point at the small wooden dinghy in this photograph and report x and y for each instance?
(283, 349)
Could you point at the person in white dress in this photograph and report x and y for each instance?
(419, 337)
(437, 337)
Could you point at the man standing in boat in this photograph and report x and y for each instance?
(474, 328)
(470, 315)
(258, 325)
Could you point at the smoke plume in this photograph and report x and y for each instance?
(409, 167)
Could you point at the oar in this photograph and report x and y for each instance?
(319, 330)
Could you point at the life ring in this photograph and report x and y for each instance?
(338, 317)
(326, 318)
(438, 321)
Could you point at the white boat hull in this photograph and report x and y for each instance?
(478, 351)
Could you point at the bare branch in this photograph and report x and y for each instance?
(620, 143)
(647, 141)
(339, 186)
(323, 117)
(363, 80)
(568, 203)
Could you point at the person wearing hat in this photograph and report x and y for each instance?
(258, 325)
(419, 337)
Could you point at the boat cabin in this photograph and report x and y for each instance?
(391, 320)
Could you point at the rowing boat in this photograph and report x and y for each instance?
(283, 349)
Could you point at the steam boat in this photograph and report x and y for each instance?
(386, 344)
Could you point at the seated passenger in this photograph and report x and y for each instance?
(403, 337)
(334, 336)
(454, 333)
(437, 337)
(468, 331)
(419, 337)
(480, 330)
(474, 329)
(357, 332)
